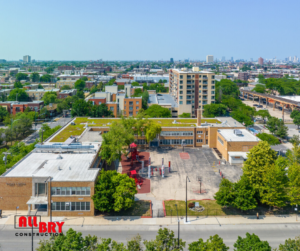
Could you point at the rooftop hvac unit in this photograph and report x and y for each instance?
(238, 132)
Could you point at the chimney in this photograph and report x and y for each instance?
(198, 117)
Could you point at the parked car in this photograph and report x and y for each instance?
(255, 105)
(259, 106)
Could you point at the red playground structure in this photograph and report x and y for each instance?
(138, 180)
(134, 154)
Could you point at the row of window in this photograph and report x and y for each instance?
(70, 190)
(131, 102)
(220, 140)
(192, 76)
(175, 133)
(71, 206)
(176, 141)
(141, 142)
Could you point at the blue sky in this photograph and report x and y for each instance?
(148, 30)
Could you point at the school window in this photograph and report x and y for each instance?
(73, 206)
(199, 140)
(180, 102)
(70, 191)
(220, 140)
(199, 132)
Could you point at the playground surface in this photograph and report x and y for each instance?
(196, 163)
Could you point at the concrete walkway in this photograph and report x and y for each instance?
(8, 219)
(157, 205)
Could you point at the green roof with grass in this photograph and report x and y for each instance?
(80, 122)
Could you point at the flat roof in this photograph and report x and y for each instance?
(162, 99)
(191, 71)
(74, 166)
(245, 136)
(243, 154)
(293, 98)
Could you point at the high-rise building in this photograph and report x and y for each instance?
(2, 61)
(231, 59)
(261, 61)
(295, 59)
(27, 59)
(251, 59)
(290, 59)
(191, 89)
(223, 59)
(171, 60)
(209, 59)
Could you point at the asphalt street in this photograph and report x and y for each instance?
(273, 233)
(31, 138)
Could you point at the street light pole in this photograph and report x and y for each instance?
(50, 198)
(178, 224)
(187, 178)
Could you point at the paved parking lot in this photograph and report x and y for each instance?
(201, 162)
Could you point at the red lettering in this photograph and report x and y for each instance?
(22, 221)
(29, 221)
(35, 221)
(60, 224)
(42, 227)
(51, 227)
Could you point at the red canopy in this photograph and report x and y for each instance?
(132, 172)
(132, 145)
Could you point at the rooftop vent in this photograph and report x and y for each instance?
(238, 132)
(59, 157)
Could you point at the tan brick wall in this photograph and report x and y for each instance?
(15, 195)
(234, 146)
(136, 107)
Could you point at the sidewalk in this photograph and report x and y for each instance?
(8, 219)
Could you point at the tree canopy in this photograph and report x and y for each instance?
(79, 85)
(35, 77)
(272, 140)
(18, 95)
(214, 110)
(213, 243)
(114, 191)
(157, 111)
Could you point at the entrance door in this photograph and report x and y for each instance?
(41, 207)
(154, 144)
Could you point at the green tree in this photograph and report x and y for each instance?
(282, 131)
(35, 77)
(21, 76)
(84, 78)
(114, 191)
(294, 183)
(156, 111)
(254, 167)
(212, 244)
(290, 245)
(213, 110)
(259, 88)
(244, 195)
(225, 196)
(294, 113)
(185, 115)
(241, 117)
(72, 240)
(272, 140)
(275, 182)
(165, 241)
(93, 89)
(137, 92)
(261, 78)
(263, 114)
(296, 120)
(46, 78)
(81, 108)
(251, 242)
(79, 84)
(18, 95)
(40, 86)
(295, 140)
(65, 87)
(50, 97)
(80, 94)
(18, 85)
(3, 113)
(135, 84)
(145, 98)
(49, 69)
(98, 111)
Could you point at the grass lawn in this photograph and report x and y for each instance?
(210, 206)
(70, 130)
(139, 208)
(163, 122)
(213, 209)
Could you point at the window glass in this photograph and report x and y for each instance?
(77, 206)
(57, 205)
(73, 206)
(73, 190)
(63, 190)
(88, 191)
(82, 206)
(53, 205)
(83, 189)
(68, 191)
(68, 206)
(63, 206)
(53, 189)
(58, 191)
(87, 206)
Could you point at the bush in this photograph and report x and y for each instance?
(191, 205)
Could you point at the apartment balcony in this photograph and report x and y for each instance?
(189, 88)
(205, 82)
(204, 93)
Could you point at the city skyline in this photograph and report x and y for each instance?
(132, 31)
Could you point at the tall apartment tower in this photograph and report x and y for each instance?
(261, 61)
(171, 60)
(27, 59)
(191, 89)
(209, 59)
